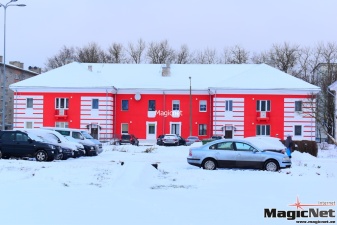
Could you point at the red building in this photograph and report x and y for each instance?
(152, 99)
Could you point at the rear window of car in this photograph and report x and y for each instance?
(125, 136)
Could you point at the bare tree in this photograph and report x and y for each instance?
(183, 56)
(136, 52)
(262, 57)
(117, 54)
(208, 56)
(159, 53)
(65, 55)
(284, 57)
(234, 55)
(91, 53)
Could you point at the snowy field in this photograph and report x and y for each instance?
(120, 186)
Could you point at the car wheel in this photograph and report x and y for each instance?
(60, 156)
(209, 164)
(271, 165)
(41, 156)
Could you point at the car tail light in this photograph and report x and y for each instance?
(190, 152)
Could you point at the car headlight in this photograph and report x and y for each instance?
(60, 150)
(286, 158)
(92, 148)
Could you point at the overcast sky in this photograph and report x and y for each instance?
(39, 30)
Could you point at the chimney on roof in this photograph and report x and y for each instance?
(166, 70)
(90, 68)
(17, 64)
(35, 69)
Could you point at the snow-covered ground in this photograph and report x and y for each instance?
(120, 186)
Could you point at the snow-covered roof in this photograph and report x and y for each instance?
(225, 77)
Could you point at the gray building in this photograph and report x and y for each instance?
(14, 72)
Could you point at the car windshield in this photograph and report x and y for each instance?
(70, 138)
(86, 135)
(36, 138)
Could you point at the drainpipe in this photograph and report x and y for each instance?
(164, 111)
(214, 100)
(334, 113)
(114, 112)
(106, 115)
(210, 112)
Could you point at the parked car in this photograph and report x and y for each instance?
(216, 137)
(181, 140)
(237, 153)
(90, 148)
(99, 146)
(129, 139)
(170, 139)
(69, 149)
(20, 144)
(86, 150)
(115, 140)
(191, 139)
(270, 143)
(160, 139)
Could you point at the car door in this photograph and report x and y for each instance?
(7, 142)
(225, 154)
(247, 156)
(23, 145)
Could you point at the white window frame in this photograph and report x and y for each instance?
(229, 105)
(62, 124)
(58, 103)
(123, 124)
(298, 104)
(205, 129)
(267, 105)
(202, 106)
(29, 103)
(93, 106)
(263, 129)
(29, 124)
(175, 103)
(295, 130)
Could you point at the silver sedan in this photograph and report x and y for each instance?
(238, 153)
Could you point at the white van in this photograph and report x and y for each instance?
(90, 148)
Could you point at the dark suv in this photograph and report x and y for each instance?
(20, 144)
(129, 139)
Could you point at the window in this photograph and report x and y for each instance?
(263, 105)
(152, 105)
(94, 104)
(298, 106)
(152, 129)
(243, 147)
(125, 128)
(61, 124)
(125, 105)
(29, 125)
(29, 103)
(298, 130)
(62, 103)
(229, 105)
(202, 129)
(21, 137)
(175, 105)
(263, 130)
(225, 146)
(202, 105)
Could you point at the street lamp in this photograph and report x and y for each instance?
(4, 63)
(190, 106)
